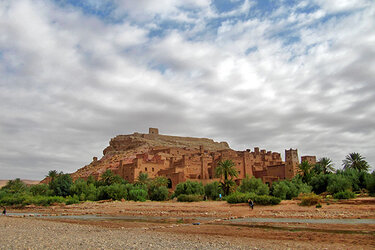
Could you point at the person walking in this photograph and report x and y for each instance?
(4, 211)
(251, 203)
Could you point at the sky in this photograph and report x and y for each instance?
(270, 74)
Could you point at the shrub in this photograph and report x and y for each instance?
(253, 185)
(72, 200)
(189, 197)
(189, 187)
(61, 185)
(318, 205)
(338, 183)
(115, 191)
(344, 195)
(84, 190)
(15, 186)
(158, 193)
(309, 199)
(289, 189)
(370, 183)
(138, 194)
(39, 189)
(319, 183)
(212, 190)
(238, 197)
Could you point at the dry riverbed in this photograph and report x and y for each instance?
(214, 231)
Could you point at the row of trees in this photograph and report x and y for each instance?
(318, 178)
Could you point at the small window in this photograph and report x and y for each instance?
(152, 169)
(145, 169)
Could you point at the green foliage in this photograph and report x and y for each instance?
(61, 185)
(347, 194)
(287, 190)
(189, 187)
(307, 171)
(158, 193)
(115, 191)
(39, 189)
(84, 190)
(212, 190)
(319, 183)
(370, 183)
(318, 205)
(72, 200)
(224, 170)
(27, 199)
(324, 166)
(253, 185)
(338, 183)
(238, 197)
(189, 197)
(143, 178)
(355, 161)
(138, 194)
(108, 178)
(309, 199)
(15, 186)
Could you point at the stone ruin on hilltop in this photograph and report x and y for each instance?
(187, 158)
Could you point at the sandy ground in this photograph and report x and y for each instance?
(214, 231)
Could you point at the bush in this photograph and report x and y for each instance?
(39, 189)
(15, 186)
(309, 199)
(338, 183)
(319, 183)
(344, 195)
(115, 191)
(25, 199)
(84, 190)
(138, 194)
(189, 197)
(158, 193)
(61, 185)
(238, 197)
(212, 190)
(253, 185)
(189, 187)
(287, 190)
(370, 183)
(72, 200)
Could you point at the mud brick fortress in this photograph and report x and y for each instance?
(186, 158)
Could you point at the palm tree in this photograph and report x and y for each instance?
(52, 174)
(226, 169)
(306, 171)
(355, 161)
(143, 178)
(325, 165)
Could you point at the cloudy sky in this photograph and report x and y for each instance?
(267, 73)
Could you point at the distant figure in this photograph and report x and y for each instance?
(220, 196)
(251, 203)
(4, 211)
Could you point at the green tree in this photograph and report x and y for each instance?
(108, 178)
(324, 165)
(224, 170)
(355, 161)
(15, 186)
(52, 174)
(307, 171)
(143, 178)
(61, 184)
(254, 185)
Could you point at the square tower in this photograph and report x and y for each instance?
(153, 131)
(291, 163)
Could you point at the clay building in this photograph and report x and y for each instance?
(198, 163)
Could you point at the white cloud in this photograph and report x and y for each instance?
(73, 80)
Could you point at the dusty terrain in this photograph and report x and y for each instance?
(143, 226)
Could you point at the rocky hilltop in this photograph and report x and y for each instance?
(123, 149)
